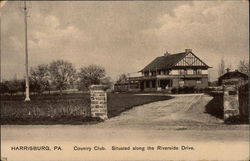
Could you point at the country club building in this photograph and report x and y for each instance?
(167, 72)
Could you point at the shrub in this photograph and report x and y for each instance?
(181, 90)
(174, 90)
(185, 89)
(189, 89)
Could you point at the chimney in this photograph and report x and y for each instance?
(167, 53)
(228, 70)
(188, 50)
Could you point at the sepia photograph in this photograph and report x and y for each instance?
(125, 80)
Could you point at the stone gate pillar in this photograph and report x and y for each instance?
(230, 101)
(98, 97)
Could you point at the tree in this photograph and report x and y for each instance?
(62, 74)
(221, 69)
(14, 86)
(107, 81)
(40, 78)
(122, 78)
(3, 88)
(243, 66)
(89, 75)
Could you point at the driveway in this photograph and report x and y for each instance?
(181, 112)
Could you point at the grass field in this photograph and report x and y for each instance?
(66, 108)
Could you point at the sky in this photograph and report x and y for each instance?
(123, 36)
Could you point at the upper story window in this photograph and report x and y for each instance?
(182, 71)
(197, 71)
(166, 72)
(190, 71)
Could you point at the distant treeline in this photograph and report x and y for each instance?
(58, 75)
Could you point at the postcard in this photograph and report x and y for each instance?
(124, 80)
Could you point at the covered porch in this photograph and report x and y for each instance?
(156, 85)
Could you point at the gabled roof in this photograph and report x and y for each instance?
(164, 62)
(235, 74)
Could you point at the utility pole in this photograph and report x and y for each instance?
(27, 98)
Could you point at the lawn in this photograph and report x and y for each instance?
(66, 108)
(118, 103)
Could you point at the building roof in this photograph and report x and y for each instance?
(164, 62)
(234, 74)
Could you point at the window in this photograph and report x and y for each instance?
(147, 84)
(181, 83)
(197, 71)
(153, 84)
(181, 72)
(134, 86)
(198, 81)
(190, 71)
(175, 72)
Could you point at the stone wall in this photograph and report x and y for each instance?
(230, 101)
(98, 97)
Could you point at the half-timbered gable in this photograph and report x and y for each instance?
(190, 60)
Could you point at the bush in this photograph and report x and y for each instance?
(215, 106)
(174, 90)
(237, 120)
(180, 90)
(198, 90)
(189, 89)
(185, 89)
